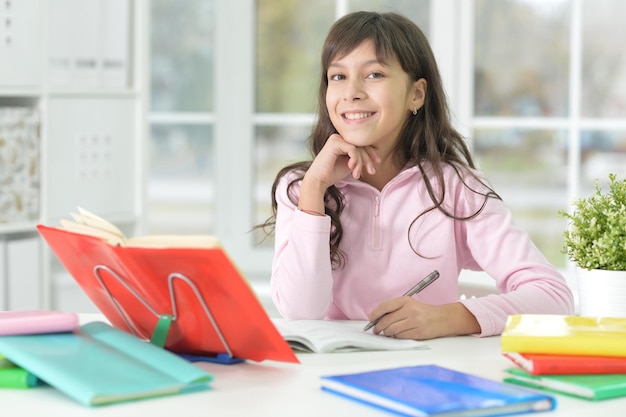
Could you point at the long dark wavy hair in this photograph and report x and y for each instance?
(426, 137)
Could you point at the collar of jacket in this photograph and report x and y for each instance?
(406, 173)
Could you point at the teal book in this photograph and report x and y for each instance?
(432, 390)
(98, 364)
(590, 387)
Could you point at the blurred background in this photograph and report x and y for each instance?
(226, 94)
(537, 86)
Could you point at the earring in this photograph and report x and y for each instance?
(415, 111)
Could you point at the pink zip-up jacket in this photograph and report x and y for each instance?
(381, 264)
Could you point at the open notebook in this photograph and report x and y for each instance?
(325, 336)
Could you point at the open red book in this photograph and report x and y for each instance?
(555, 364)
(196, 291)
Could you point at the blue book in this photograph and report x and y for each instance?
(431, 390)
(99, 364)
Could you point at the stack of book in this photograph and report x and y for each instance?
(94, 364)
(584, 357)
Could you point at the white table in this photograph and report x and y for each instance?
(293, 390)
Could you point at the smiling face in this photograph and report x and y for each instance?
(368, 100)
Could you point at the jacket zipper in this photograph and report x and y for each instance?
(376, 235)
(376, 241)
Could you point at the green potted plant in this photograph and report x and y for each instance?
(595, 242)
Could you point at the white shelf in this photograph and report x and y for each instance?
(17, 228)
(26, 92)
(74, 61)
(92, 93)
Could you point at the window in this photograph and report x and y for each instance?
(548, 94)
(181, 161)
(538, 87)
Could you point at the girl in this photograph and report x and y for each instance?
(391, 195)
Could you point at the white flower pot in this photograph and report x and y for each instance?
(601, 293)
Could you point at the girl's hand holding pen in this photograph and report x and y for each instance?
(429, 279)
(396, 308)
(406, 318)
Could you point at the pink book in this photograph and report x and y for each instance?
(36, 321)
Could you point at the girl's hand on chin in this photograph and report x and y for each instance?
(338, 159)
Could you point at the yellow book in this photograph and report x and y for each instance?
(560, 334)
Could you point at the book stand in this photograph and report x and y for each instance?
(159, 335)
